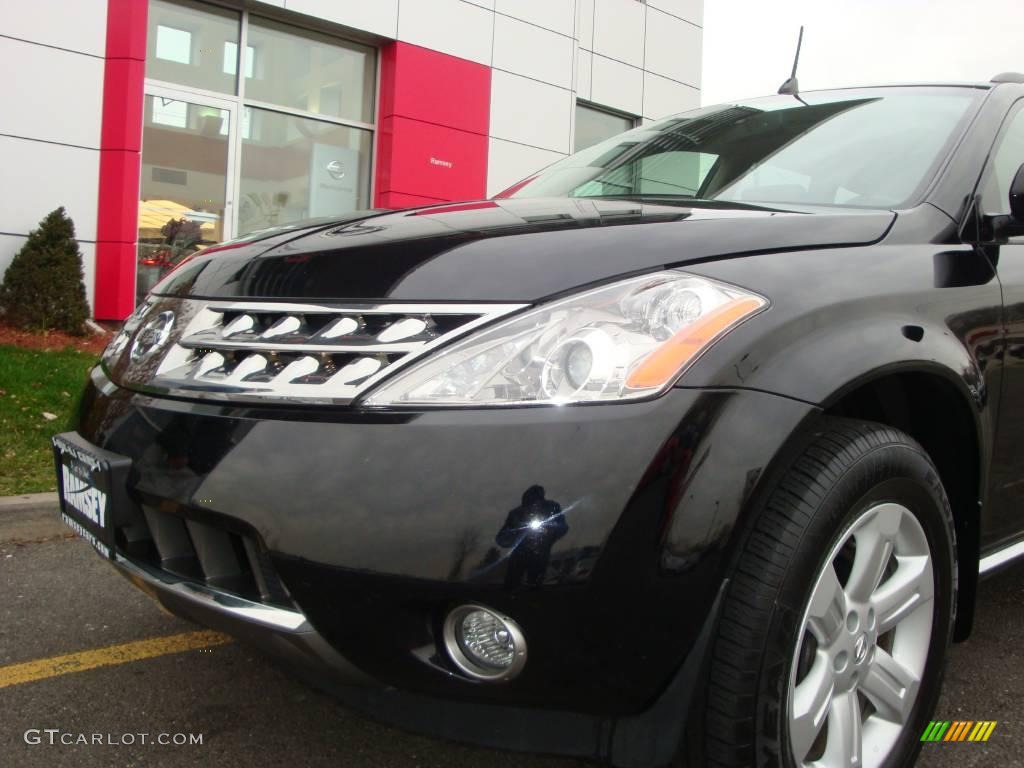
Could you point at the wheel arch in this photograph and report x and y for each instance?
(933, 405)
(911, 370)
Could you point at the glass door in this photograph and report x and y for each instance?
(294, 168)
(184, 205)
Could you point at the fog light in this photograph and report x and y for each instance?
(484, 644)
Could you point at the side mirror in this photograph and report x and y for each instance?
(1017, 198)
(996, 229)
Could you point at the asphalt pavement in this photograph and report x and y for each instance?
(59, 598)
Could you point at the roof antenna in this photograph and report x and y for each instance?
(792, 86)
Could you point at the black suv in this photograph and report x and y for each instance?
(691, 447)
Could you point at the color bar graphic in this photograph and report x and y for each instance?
(935, 731)
(959, 730)
(982, 730)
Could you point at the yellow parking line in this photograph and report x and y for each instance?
(41, 669)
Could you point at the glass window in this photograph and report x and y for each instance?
(1008, 157)
(173, 44)
(231, 59)
(246, 124)
(595, 125)
(872, 148)
(296, 168)
(188, 44)
(199, 124)
(169, 112)
(310, 72)
(184, 170)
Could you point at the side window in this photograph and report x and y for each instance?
(1007, 158)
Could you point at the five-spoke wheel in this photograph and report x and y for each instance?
(834, 625)
(864, 642)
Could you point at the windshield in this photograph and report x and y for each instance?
(872, 148)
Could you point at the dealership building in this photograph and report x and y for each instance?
(164, 126)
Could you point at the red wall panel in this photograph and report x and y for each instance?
(119, 197)
(120, 158)
(122, 127)
(435, 88)
(433, 120)
(430, 160)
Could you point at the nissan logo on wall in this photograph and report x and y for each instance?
(336, 170)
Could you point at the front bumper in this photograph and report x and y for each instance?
(280, 632)
(377, 524)
(649, 738)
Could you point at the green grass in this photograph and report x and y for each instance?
(33, 382)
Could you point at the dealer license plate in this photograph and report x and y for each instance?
(90, 481)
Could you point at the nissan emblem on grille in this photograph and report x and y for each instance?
(153, 336)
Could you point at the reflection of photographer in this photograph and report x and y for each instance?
(179, 238)
(182, 235)
(530, 531)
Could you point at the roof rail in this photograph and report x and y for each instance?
(1008, 77)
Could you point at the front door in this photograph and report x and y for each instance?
(1004, 519)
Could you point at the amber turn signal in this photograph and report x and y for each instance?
(668, 360)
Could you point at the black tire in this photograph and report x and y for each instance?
(846, 468)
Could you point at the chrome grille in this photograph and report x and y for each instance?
(244, 350)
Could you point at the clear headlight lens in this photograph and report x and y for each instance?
(625, 341)
(119, 343)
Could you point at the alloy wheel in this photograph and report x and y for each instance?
(863, 643)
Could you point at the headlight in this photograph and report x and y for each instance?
(131, 324)
(625, 341)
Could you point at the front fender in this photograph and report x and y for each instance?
(843, 317)
(847, 318)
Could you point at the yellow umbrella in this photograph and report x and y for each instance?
(153, 214)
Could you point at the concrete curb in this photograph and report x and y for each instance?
(28, 502)
(30, 517)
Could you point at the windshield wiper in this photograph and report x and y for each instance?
(682, 200)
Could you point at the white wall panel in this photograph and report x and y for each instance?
(449, 26)
(617, 85)
(50, 94)
(529, 112)
(528, 50)
(556, 15)
(584, 66)
(377, 16)
(619, 30)
(88, 251)
(585, 23)
(691, 10)
(78, 25)
(673, 48)
(44, 176)
(664, 97)
(508, 163)
(488, 4)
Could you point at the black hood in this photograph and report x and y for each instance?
(503, 250)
